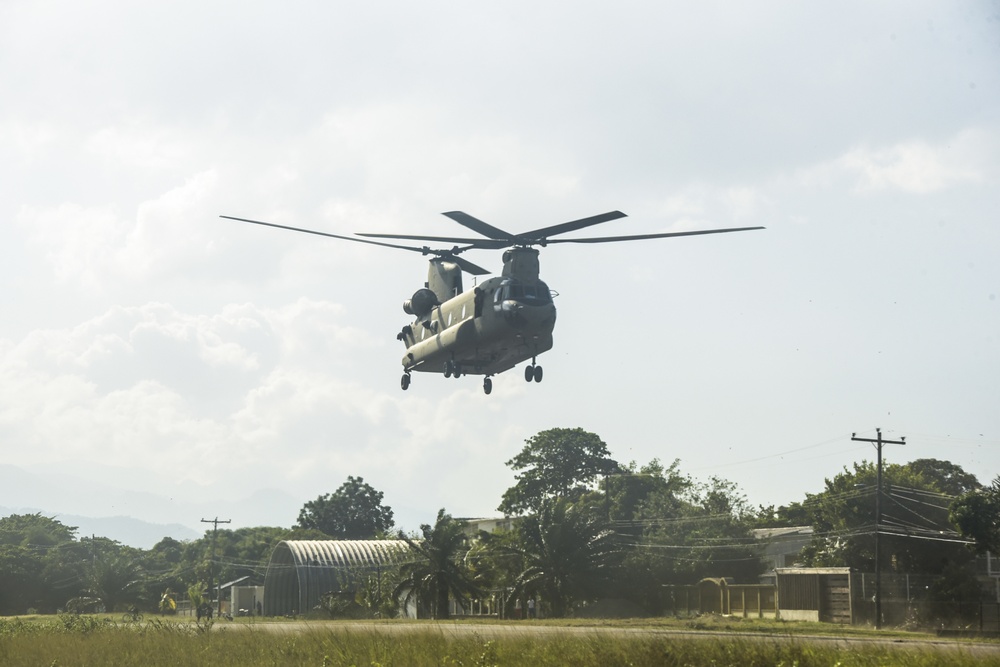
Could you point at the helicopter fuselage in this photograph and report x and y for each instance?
(485, 331)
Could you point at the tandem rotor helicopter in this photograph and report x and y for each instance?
(498, 323)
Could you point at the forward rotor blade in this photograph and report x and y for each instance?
(449, 255)
(546, 232)
(479, 226)
(641, 237)
(422, 251)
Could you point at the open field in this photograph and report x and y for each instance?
(94, 640)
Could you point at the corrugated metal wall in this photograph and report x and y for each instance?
(300, 572)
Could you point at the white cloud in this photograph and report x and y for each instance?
(25, 138)
(745, 202)
(140, 145)
(79, 241)
(195, 390)
(95, 248)
(916, 166)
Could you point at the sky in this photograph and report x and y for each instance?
(148, 345)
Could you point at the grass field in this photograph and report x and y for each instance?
(70, 641)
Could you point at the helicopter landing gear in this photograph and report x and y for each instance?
(532, 372)
(452, 369)
(404, 382)
(487, 385)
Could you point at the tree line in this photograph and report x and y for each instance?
(584, 527)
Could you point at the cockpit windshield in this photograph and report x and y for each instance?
(533, 294)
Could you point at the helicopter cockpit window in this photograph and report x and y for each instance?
(529, 294)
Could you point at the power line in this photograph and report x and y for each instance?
(211, 572)
(878, 441)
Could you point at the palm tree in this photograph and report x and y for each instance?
(114, 578)
(568, 553)
(437, 570)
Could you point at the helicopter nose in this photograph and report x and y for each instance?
(529, 318)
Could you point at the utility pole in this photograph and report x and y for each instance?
(211, 567)
(878, 442)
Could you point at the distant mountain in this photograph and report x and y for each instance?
(124, 529)
(95, 498)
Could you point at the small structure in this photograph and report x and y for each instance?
(816, 594)
(782, 548)
(242, 593)
(719, 595)
(301, 572)
(474, 526)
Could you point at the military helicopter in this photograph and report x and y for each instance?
(498, 323)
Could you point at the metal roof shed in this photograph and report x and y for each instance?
(300, 572)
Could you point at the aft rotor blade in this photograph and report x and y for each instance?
(422, 251)
(546, 232)
(417, 237)
(466, 265)
(480, 244)
(477, 225)
(641, 237)
(498, 238)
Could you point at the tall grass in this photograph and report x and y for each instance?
(79, 641)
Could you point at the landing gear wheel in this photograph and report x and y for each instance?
(487, 386)
(447, 369)
(456, 370)
(529, 373)
(404, 381)
(538, 374)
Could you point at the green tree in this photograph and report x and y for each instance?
(352, 512)
(20, 580)
(39, 563)
(691, 530)
(627, 492)
(557, 463)
(568, 555)
(946, 477)
(977, 516)
(34, 530)
(114, 574)
(437, 569)
(915, 533)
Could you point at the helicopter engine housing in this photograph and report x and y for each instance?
(421, 303)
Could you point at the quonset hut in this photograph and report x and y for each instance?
(300, 572)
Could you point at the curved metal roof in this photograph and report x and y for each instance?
(300, 572)
(340, 553)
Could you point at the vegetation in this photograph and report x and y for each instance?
(438, 572)
(977, 515)
(586, 529)
(558, 463)
(916, 535)
(72, 641)
(352, 512)
(567, 555)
